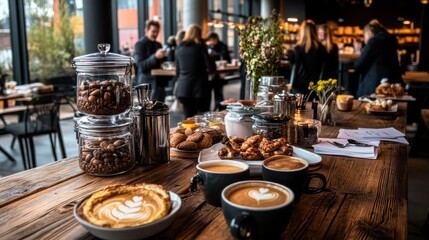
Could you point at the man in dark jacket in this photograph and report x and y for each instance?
(218, 50)
(148, 55)
(378, 60)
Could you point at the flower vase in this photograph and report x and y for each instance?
(327, 112)
(249, 93)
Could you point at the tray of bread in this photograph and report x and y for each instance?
(394, 91)
(381, 107)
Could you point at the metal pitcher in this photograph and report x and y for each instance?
(152, 128)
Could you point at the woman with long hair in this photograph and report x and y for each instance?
(330, 69)
(192, 67)
(307, 58)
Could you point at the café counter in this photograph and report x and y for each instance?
(364, 199)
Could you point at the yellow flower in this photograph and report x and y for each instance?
(320, 88)
(334, 82)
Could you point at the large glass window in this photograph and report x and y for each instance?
(54, 38)
(155, 7)
(127, 26)
(5, 40)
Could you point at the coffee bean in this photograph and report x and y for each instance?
(96, 92)
(108, 97)
(105, 157)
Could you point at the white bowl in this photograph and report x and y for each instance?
(131, 233)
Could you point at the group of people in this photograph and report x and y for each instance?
(316, 56)
(194, 58)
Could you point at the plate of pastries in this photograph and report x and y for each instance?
(194, 139)
(381, 106)
(390, 90)
(254, 149)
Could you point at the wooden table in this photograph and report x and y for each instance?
(365, 199)
(416, 77)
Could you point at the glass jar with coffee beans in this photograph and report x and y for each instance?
(270, 125)
(103, 82)
(105, 148)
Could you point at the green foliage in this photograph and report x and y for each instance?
(261, 46)
(51, 47)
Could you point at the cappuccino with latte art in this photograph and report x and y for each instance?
(258, 195)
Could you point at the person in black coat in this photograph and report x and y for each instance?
(307, 58)
(192, 67)
(218, 50)
(330, 68)
(148, 55)
(378, 60)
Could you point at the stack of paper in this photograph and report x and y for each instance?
(326, 146)
(373, 134)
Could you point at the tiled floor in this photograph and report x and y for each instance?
(418, 167)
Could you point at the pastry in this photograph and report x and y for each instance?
(189, 131)
(195, 137)
(206, 142)
(187, 145)
(177, 138)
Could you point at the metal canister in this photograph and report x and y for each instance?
(152, 128)
(285, 104)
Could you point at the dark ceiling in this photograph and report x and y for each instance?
(355, 13)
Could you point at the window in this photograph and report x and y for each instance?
(5, 40)
(127, 26)
(54, 36)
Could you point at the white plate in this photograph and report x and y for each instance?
(131, 233)
(210, 154)
(185, 151)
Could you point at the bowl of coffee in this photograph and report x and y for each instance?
(257, 209)
(215, 175)
(292, 172)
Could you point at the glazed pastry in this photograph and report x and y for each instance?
(252, 153)
(252, 141)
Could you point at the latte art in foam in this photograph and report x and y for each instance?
(262, 194)
(258, 195)
(136, 209)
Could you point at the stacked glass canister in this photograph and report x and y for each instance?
(104, 96)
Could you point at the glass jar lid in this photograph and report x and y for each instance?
(242, 109)
(270, 118)
(102, 61)
(103, 126)
(284, 97)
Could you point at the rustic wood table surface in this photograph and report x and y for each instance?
(365, 199)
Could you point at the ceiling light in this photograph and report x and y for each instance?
(292, 19)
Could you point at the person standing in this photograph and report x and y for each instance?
(307, 58)
(378, 60)
(218, 50)
(192, 67)
(148, 55)
(330, 69)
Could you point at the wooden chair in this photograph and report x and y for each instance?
(41, 117)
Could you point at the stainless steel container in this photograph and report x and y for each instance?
(285, 104)
(151, 128)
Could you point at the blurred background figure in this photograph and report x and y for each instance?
(378, 59)
(170, 46)
(218, 51)
(148, 55)
(192, 67)
(306, 58)
(330, 68)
